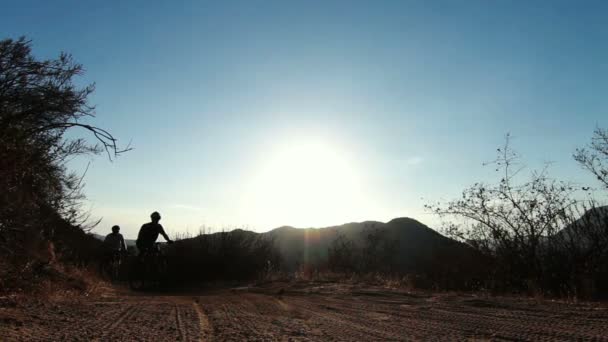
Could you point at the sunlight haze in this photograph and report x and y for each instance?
(309, 183)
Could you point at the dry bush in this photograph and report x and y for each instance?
(372, 252)
(437, 262)
(594, 158)
(541, 238)
(237, 255)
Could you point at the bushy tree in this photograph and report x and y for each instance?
(39, 103)
(372, 251)
(517, 221)
(342, 255)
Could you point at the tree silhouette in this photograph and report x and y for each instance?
(39, 103)
(519, 221)
(594, 158)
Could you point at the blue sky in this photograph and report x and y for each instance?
(230, 106)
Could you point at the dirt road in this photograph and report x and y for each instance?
(321, 313)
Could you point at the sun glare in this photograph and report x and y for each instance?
(309, 183)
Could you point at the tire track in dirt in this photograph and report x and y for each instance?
(205, 325)
(183, 334)
(245, 320)
(128, 309)
(254, 317)
(516, 325)
(407, 319)
(372, 316)
(494, 320)
(341, 325)
(125, 317)
(110, 328)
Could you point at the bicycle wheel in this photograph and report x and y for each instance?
(158, 271)
(137, 275)
(162, 267)
(105, 270)
(116, 268)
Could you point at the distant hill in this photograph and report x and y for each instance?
(418, 247)
(102, 237)
(592, 224)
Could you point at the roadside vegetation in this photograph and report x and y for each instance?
(543, 236)
(237, 255)
(41, 219)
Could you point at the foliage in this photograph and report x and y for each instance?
(228, 256)
(373, 251)
(594, 158)
(39, 103)
(406, 249)
(520, 222)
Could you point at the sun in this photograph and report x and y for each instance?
(306, 183)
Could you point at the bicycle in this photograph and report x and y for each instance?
(110, 267)
(148, 268)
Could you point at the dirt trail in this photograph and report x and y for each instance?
(132, 319)
(317, 314)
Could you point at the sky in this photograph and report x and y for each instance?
(258, 114)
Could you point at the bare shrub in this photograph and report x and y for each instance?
(372, 252)
(530, 226)
(594, 158)
(237, 255)
(342, 255)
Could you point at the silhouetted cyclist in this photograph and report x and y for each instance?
(114, 242)
(114, 249)
(149, 233)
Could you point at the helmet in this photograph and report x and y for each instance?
(155, 216)
(115, 229)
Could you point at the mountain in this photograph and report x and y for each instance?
(128, 242)
(310, 245)
(416, 246)
(593, 224)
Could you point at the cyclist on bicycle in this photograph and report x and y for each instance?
(114, 242)
(114, 248)
(149, 233)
